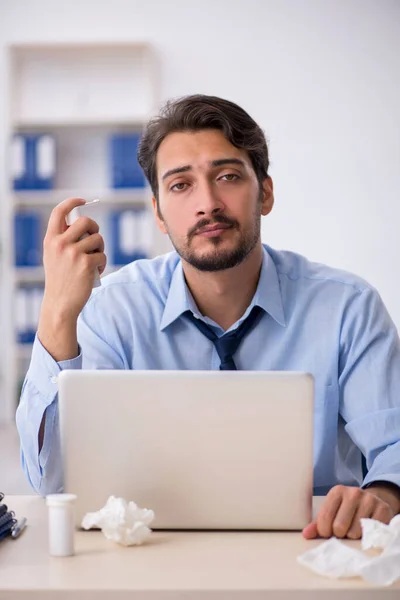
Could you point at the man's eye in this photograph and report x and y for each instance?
(230, 177)
(178, 187)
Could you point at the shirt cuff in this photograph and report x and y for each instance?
(44, 370)
(384, 483)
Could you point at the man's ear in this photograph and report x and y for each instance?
(267, 196)
(158, 216)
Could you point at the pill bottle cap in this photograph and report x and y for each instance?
(60, 499)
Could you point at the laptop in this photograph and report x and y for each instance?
(202, 449)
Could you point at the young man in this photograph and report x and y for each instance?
(207, 164)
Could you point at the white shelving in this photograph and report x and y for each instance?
(61, 84)
(80, 94)
(28, 274)
(49, 198)
(54, 124)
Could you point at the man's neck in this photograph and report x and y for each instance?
(224, 296)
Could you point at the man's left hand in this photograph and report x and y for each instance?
(344, 506)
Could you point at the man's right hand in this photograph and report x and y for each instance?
(70, 265)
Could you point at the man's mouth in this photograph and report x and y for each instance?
(214, 230)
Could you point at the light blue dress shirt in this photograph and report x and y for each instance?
(316, 319)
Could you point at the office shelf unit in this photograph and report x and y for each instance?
(80, 95)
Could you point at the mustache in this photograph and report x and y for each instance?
(217, 219)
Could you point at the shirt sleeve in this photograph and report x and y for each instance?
(40, 394)
(369, 382)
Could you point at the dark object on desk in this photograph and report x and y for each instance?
(6, 517)
(7, 522)
(18, 528)
(9, 526)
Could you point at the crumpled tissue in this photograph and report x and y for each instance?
(336, 560)
(121, 522)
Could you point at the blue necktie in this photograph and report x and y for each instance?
(227, 344)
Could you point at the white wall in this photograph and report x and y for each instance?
(321, 76)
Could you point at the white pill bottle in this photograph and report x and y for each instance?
(61, 524)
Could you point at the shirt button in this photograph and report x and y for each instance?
(54, 379)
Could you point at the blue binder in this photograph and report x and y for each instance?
(125, 169)
(124, 237)
(27, 239)
(33, 162)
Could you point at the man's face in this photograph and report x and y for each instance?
(209, 199)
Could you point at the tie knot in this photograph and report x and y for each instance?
(227, 344)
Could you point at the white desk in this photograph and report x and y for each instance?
(171, 565)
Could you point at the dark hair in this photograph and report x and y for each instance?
(198, 112)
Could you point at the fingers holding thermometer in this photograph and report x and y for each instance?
(85, 233)
(78, 211)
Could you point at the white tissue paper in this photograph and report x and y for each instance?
(336, 560)
(121, 522)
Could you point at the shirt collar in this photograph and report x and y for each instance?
(179, 298)
(268, 293)
(267, 296)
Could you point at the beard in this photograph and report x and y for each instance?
(218, 258)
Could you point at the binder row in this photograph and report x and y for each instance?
(128, 236)
(34, 161)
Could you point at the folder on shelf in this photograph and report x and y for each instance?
(33, 162)
(27, 239)
(131, 235)
(125, 169)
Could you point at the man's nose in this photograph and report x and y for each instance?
(208, 200)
